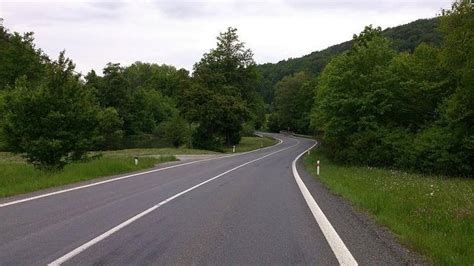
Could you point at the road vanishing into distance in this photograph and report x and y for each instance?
(249, 208)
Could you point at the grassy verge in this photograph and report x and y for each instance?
(17, 177)
(155, 152)
(252, 143)
(431, 214)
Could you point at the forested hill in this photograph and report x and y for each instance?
(404, 38)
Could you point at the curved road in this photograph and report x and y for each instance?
(239, 209)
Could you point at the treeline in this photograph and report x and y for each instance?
(52, 115)
(405, 38)
(373, 105)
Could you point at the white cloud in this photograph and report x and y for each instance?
(179, 32)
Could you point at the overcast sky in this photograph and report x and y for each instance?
(179, 32)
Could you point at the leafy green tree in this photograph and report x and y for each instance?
(54, 122)
(112, 89)
(2, 111)
(293, 100)
(356, 98)
(447, 145)
(176, 130)
(110, 128)
(220, 117)
(147, 109)
(224, 96)
(19, 57)
(164, 78)
(422, 85)
(135, 92)
(456, 127)
(413, 111)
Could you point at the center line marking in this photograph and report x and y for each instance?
(115, 229)
(124, 177)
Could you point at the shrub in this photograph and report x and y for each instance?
(54, 122)
(176, 131)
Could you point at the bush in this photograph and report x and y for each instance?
(248, 129)
(54, 122)
(142, 141)
(110, 127)
(441, 150)
(202, 140)
(176, 131)
(273, 123)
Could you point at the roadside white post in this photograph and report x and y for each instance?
(309, 152)
(233, 148)
(136, 160)
(317, 168)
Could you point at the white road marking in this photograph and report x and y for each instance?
(342, 253)
(108, 233)
(124, 177)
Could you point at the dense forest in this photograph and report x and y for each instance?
(383, 102)
(52, 115)
(405, 38)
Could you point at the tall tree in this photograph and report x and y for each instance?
(19, 57)
(356, 98)
(136, 93)
(164, 78)
(457, 26)
(293, 100)
(226, 78)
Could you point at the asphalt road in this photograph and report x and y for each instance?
(242, 209)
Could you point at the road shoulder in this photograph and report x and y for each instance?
(368, 242)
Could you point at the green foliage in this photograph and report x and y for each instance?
(251, 143)
(404, 38)
(457, 56)
(220, 117)
(248, 129)
(137, 94)
(19, 57)
(409, 110)
(176, 131)
(2, 111)
(293, 101)
(164, 78)
(223, 96)
(54, 122)
(356, 97)
(202, 140)
(148, 109)
(110, 128)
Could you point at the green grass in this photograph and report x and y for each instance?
(17, 177)
(155, 152)
(433, 215)
(252, 143)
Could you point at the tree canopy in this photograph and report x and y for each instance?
(53, 122)
(409, 110)
(404, 38)
(223, 96)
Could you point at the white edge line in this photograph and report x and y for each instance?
(126, 176)
(338, 247)
(108, 233)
